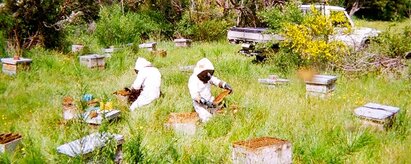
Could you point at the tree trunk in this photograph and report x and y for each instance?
(355, 7)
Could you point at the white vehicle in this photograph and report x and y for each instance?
(358, 38)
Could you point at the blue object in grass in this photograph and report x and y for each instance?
(87, 97)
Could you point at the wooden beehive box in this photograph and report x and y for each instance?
(93, 61)
(76, 47)
(150, 46)
(12, 67)
(264, 150)
(69, 109)
(89, 143)
(320, 86)
(183, 123)
(377, 115)
(9, 142)
(182, 42)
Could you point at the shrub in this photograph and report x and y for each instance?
(114, 27)
(276, 17)
(204, 28)
(28, 22)
(392, 43)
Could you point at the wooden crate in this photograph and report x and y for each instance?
(320, 86)
(9, 142)
(264, 150)
(183, 123)
(93, 61)
(150, 46)
(89, 143)
(376, 115)
(182, 42)
(12, 67)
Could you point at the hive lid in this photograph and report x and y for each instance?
(94, 56)
(88, 143)
(259, 142)
(371, 113)
(383, 107)
(182, 40)
(186, 117)
(322, 79)
(12, 61)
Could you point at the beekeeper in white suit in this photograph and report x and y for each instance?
(149, 80)
(199, 85)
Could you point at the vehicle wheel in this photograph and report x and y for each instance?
(365, 44)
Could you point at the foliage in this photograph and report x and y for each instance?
(89, 8)
(311, 39)
(115, 28)
(393, 43)
(202, 29)
(276, 17)
(28, 26)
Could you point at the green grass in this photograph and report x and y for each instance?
(321, 131)
(383, 25)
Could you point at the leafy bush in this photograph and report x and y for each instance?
(393, 44)
(206, 28)
(276, 17)
(114, 27)
(27, 26)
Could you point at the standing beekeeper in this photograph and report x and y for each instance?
(149, 80)
(199, 85)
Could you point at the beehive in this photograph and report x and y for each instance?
(150, 46)
(264, 150)
(12, 67)
(376, 115)
(183, 123)
(93, 61)
(76, 47)
(9, 142)
(182, 42)
(320, 86)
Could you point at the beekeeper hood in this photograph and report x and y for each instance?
(141, 63)
(203, 64)
(199, 70)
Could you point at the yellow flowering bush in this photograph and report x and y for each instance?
(310, 39)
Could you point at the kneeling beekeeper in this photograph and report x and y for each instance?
(148, 81)
(199, 85)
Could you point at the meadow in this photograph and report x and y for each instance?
(320, 130)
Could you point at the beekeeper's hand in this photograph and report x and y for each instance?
(228, 87)
(209, 104)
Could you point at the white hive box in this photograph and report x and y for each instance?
(377, 115)
(183, 123)
(150, 46)
(93, 61)
(12, 67)
(182, 42)
(264, 150)
(320, 86)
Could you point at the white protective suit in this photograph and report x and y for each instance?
(148, 79)
(198, 89)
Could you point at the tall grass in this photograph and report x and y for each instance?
(321, 131)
